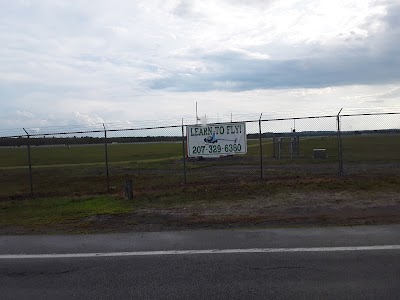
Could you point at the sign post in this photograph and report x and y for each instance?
(216, 139)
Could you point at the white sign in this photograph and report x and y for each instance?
(216, 139)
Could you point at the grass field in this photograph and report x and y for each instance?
(89, 154)
(355, 148)
(80, 169)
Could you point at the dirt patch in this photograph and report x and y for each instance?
(283, 209)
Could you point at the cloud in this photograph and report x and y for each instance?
(138, 60)
(353, 68)
(355, 60)
(87, 119)
(392, 93)
(183, 8)
(26, 114)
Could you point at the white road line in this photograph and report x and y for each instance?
(208, 251)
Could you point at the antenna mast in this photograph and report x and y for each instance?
(197, 116)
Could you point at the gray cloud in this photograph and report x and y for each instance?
(246, 74)
(369, 61)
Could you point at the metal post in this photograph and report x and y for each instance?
(30, 161)
(273, 146)
(339, 142)
(261, 148)
(298, 146)
(279, 147)
(291, 148)
(183, 153)
(106, 153)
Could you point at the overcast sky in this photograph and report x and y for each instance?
(66, 62)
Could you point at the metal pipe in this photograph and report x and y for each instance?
(339, 142)
(106, 153)
(183, 154)
(261, 148)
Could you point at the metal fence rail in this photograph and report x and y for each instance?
(100, 159)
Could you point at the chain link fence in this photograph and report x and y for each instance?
(300, 147)
(371, 144)
(100, 159)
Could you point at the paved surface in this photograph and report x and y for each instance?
(372, 274)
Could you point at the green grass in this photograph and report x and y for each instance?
(89, 154)
(361, 148)
(378, 148)
(73, 214)
(81, 169)
(65, 180)
(52, 211)
(355, 148)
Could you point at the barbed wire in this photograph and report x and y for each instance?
(120, 126)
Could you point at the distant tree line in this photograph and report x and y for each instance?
(323, 133)
(49, 140)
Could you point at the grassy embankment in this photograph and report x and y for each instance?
(80, 214)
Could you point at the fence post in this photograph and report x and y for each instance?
(261, 148)
(183, 154)
(339, 142)
(30, 161)
(279, 147)
(106, 153)
(273, 146)
(298, 146)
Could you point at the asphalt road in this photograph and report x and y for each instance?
(297, 268)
